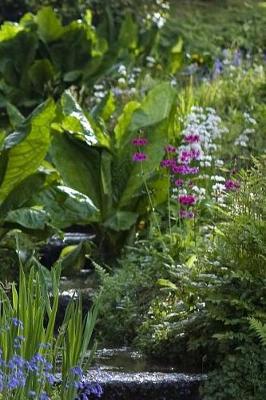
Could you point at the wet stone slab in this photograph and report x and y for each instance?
(147, 385)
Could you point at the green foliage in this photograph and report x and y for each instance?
(128, 290)
(260, 329)
(241, 375)
(205, 306)
(35, 304)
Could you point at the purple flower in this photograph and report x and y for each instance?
(179, 182)
(167, 163)
(16, 361)
(139, 157)
(139, 141)
(217, 68)
(192, 138)
(170, 149)
(231, 185)
(77, 371)
(186, 214)
(86, 389)
(187, 199)
(185, 170)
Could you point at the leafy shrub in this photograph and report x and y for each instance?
(212, 301)
(127, 292)
(242, 374)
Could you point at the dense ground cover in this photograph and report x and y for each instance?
(150, 133)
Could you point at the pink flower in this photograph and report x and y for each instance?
(179, 182)
(191, 138)
(187, 199)
(185, 170)
(139, 157)
(167, 163)
(185, 157)
(170, 149)
(231, 185)
(139, 142)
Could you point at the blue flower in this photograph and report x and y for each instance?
(44, 396)
(86, 389)
(77, 371)
(17, 322)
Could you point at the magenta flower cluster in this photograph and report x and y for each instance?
(231, 185)
(192, 138)
(187, 199)
(139, 156)
(181, 166)
(139, 142)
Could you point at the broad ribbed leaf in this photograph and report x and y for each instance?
(155, 107)
(75, 120)
(121, 220)
(25, 157)
(31, 218)
(67, 206)
(15, 117)
(122, 134)
(78, 165)
(23, 192)
(49, 25)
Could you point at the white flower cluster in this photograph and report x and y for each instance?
(126, 81)
(159, 17)
(244, 137)
(200, 192)
(99, 92)
(205, 123)
(202, 130)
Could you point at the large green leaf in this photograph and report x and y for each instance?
(78, 165)
(49, 25)
(31, 218)
(67, 206)
(106, 183)
(25, 157)
(75, 120)
(41, 73)
(122, 134)
(155, 107)
(8, 30)
(128, 35)
(16, 56)
(121, 220)
(22, 192)
(15, 117)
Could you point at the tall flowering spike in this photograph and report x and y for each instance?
(139, 142)
(139, 156)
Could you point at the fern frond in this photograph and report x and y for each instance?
(259, 328)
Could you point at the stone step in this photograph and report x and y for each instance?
(147, 385)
